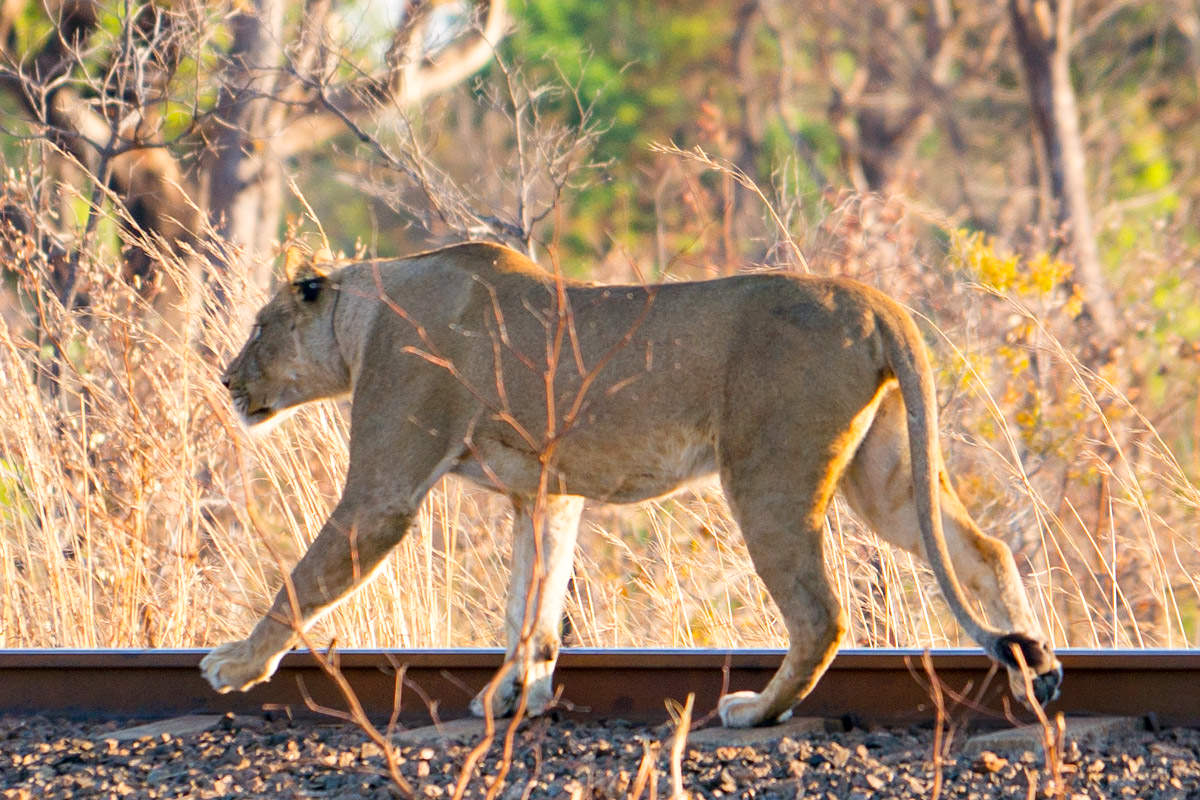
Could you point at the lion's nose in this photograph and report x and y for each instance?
(225, 379)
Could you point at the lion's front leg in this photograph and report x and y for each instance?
(350, 547)
(535, 605)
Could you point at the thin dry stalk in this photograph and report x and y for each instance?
(728, 168)
(328, 662)
(647, 774)
(939, 723)
(683, 724)
(1053, 736)
(483, 745)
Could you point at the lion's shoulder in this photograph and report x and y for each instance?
(485, 258)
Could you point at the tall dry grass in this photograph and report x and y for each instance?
(135, 512)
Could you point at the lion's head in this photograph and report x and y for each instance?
(292, 354)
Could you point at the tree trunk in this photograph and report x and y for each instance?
(1042, 29)
(245, 179)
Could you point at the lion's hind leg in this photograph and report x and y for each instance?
(535, 605)
(781, 460)
(785, 543)
(779, 495)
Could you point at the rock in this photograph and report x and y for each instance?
(988, 761)
(736, 737)
(1030, 737)
(176, 726)
(460, 731)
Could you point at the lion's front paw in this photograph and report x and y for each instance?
(237, 666)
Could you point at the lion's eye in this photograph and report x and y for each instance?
(255, 332)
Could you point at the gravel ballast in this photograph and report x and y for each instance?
(280, 758)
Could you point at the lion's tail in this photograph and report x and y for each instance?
(906, 356)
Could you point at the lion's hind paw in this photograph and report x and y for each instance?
(506, 696)
(747, 709)
(740, 709)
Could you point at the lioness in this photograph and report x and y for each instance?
(472, 360)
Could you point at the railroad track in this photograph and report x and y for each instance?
(870, 686)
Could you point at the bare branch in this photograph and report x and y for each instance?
(455, 63)
(407, 83)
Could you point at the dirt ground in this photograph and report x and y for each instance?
(278, 758)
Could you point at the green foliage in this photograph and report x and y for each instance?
(14, 500)
(779, 154)
(12, 150)
(30, 28)
(561, 36)
(643, 71)
(1143, 175)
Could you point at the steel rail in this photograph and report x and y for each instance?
(870, 686)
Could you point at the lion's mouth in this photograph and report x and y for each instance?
(251, 415)
(257, 416)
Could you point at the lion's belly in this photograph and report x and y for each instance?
(616, 469)
(650, 466)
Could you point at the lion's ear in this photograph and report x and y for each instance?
(293, 259)
(300, 262)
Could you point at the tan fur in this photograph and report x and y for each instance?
(787, 386)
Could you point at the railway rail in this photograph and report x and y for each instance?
(869, 686)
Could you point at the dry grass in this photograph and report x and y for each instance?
(135, 512)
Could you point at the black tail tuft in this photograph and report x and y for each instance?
(1047, 672)
(1037, 654)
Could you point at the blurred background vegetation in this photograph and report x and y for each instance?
(1024, 175)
